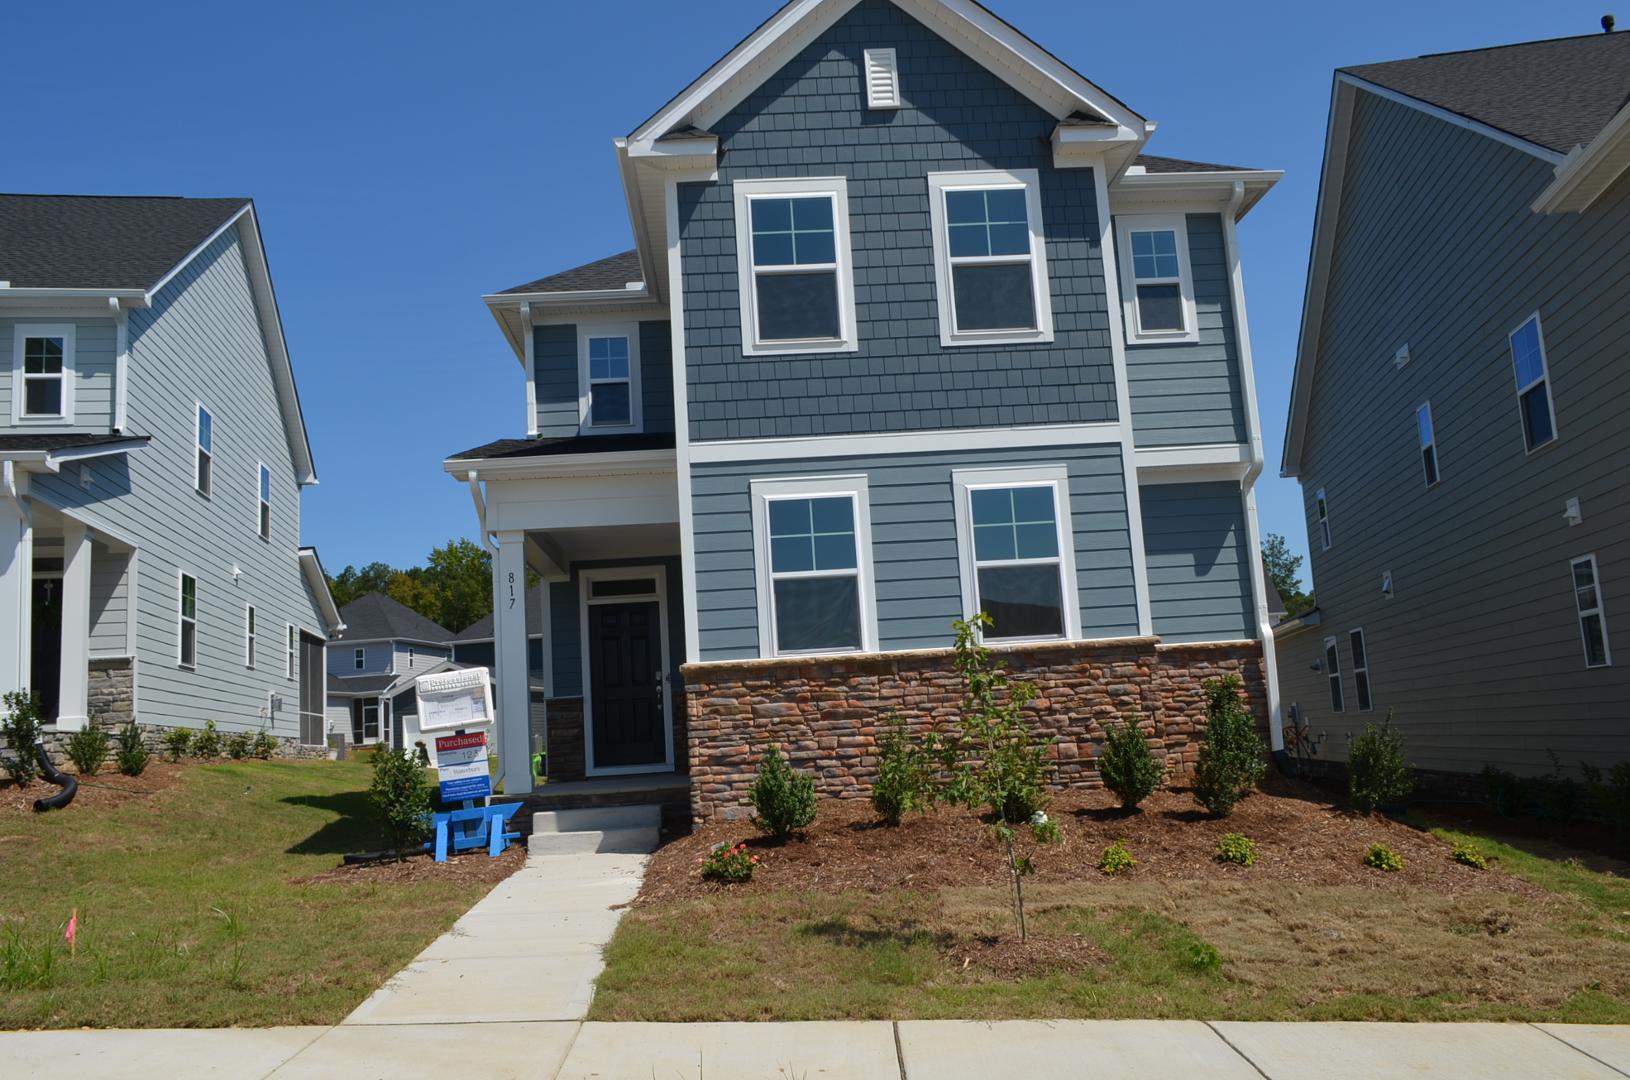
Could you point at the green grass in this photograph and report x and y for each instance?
(1607, 894)
(188, 916)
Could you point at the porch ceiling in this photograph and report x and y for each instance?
(609, 542)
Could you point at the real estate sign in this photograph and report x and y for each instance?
(461, 766)
(455, 713)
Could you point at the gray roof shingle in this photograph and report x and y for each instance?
(1154, 164)
(102, 241)
(576, 444)
(63, 441)
(376, 617)
(612, 272)
(1557, 93)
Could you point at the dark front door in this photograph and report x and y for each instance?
(625, 684)
(45, 667)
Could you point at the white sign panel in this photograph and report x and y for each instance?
(450, 700)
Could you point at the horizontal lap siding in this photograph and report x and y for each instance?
(1190, 393)
(914, 545)
(810, 119)
(556, 373)
(95, 345)
(1479, 650)
(1199, 568)
(110, 601)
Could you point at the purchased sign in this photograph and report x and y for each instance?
(461, 766)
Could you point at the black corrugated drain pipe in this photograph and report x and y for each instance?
(70, 786)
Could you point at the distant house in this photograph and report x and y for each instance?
(1457, 420)
(372, 666)
(152, 458)
(474, 644)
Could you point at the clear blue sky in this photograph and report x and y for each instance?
(407, 158)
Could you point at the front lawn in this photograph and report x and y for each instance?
(213, 900)
(860, 921)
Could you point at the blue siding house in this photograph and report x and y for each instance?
(152, 456)
(912, 328)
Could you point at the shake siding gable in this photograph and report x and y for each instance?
(811, 119)
(555, 371)
(1478, 650)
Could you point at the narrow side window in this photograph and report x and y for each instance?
(1361, 669)
(1321, 510)
(249, 636)
(1533, 384)
(1429, 443)
(187, 622)
(360, 659)
(205, 461)
(265, 503)
(289, 655)
(1587, 598)
(1332, 667)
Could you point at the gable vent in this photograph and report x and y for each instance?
(882, 80)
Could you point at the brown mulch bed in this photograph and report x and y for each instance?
(1301, 835)
(107, 788)
(471, 866)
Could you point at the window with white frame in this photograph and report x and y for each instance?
(1533, 383)
(1429, 443)
(1014, 545)
(288, 656)
(205, 461)
(1321, 513)
(1157, 283)
(249, 635)
(187, 622)
(43, 372)
(360, 659)
(265, 490)
(990, 257)
(1361, 669)
(796, 266)
(1332, 668)
(609, 371)
(1587, 598)
(812, 552)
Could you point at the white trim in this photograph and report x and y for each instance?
(317, 582)
(121, 364)
(1332, 674)
(1588, 171)
(529, 361)
(1266, 631)
(585, 600)
(1321, 519)
(1548, 156)
(291, 646)
(683, 452)
(250, 632)
(1055, 477)
(182, 619)
(944, 263)
(1177, 225)
(1544, 377)
(881, 73)
(200, 484)
(1363, 669)
(798, 448)
(1430, 477)
(630, 332)
(1600, 610)
(837, 189)
(762, 492)
(619, 463)
(19, 378)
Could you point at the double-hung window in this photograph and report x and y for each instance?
(1533, 384)
(812, 547)
(1587, 598)
(187, 622)
(205, 460)
(1361, 669)
(43, 372)
(1321, 512)
(288, 656)
(249, 636)
(1332, 669)
(1429, 443)
(1016, 552)
(990, 257)
(609, 374)
(265, 519)
(1157, 283)
(796, 266)
(360, 659)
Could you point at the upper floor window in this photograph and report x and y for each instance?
(610, 377)
(1587, 599)
(812, 548)
(187, 622)
(206, 451)
(1332, 670)
(265, 503)
(43, 372)
(796, 266)
(1157, 283)
(1321, 511)
(1016, 551)
(1533, 384)
(360, 659)
(990, 265)
(1429, 443)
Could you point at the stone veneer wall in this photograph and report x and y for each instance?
(564, 741)
(826, 714)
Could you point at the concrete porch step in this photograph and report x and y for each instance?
(635, 841)
(586, 819)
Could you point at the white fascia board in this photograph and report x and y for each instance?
(271, 325)
(195, 252)
(904, 442)
(643, 243)
(1589, 170)
(312, 567)
(1209, 190)
(10, 295)
(1516, 142)
(623, 463)
(56, 458)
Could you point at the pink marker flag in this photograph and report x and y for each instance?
(72, 933)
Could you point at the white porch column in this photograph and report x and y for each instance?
(74, 683)
(16, 591)
(509, 648)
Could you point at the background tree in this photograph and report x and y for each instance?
(453, 588)
(351, 583)
(1284, 571)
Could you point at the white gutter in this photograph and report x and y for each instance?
(480, 501)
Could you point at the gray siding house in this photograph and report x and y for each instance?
(1457, 421)
(372, 665)
(912, 328)
(153, 454)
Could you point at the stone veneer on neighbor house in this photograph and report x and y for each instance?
(826, 715)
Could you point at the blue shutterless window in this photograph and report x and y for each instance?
(1533, 384)
(795, 268)
(814, 574)
(1018, 568)
(988, 242)
(1158, 274)
(610, 394)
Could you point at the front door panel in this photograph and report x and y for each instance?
(625, 684)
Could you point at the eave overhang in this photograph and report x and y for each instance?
(1235, 189)
(1586, 173)
(317, 582)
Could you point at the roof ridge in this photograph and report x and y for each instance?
(81, 195)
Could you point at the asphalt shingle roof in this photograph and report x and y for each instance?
(376, 617)
(48, 441)
(576, 444)
(102, 241)
(1154, 164)
(612, 272)
(1557, 93)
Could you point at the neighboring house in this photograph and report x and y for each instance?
(1456, 422)
(153, 455)
(474, 645)
(372, 665)
(912, 329)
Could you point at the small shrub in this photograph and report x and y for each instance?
(783, 800)
(1117, 858)
(1377, 774)
(1558, 797)
(88, 749)
(178, 743)
(903, 777)
(401, 794)
(1609, 796)
(207, 743)
(1236, 848)
(1127, 766)
(1044, 830)
(730, 865)
(1382, 857)
(21, 730)
(1202, 956)
(1231, 757)
(1469, 854)
(1504, 790)
(265, 745)
(237, 745)
(131, 754)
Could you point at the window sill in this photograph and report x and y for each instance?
(798, 348)
(1169, 337)
(956, 339)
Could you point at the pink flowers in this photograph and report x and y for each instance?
(727, 864)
